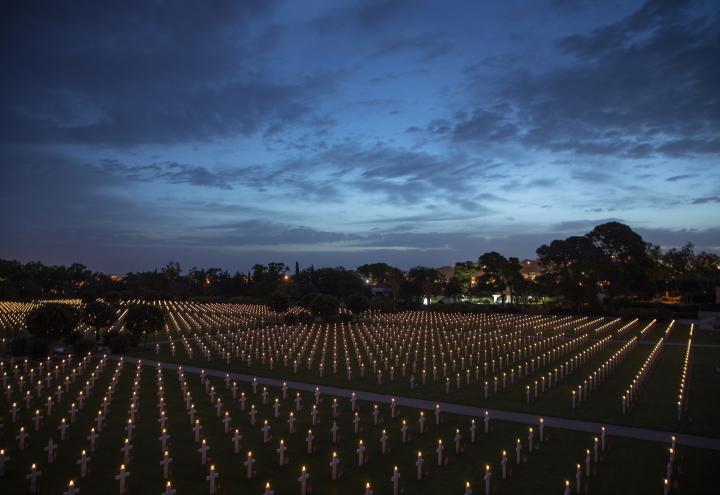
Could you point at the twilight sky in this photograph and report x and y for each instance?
(334, 132)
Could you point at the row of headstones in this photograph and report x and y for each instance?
(685, 377)
(592, 459)
(37, 419)
(458, 378)
(633, 389)
(581, 393)
(335, 461)
(205, 349)
(64, 426)
(20, 383)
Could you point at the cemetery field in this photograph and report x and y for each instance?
(654, 408)
(223, 433)
(626, 466)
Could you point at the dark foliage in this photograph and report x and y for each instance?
(357, 303)
(279, 302)
(53, 321)
(120, 342)
(99, 315)
(142, 319)
(325, 306)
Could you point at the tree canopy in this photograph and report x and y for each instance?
(99, 315)
(325, 306)
(52, 321)
(142, 319)
(357, 303)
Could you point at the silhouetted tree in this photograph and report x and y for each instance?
(279, 302)
(465, 272)
(500, 273)
(357, 303)
(50, 322)
(325, 306)
(142, 319)
(421, 282)
(625, 263)
(454, 288)
(99, 315)
(570, 269)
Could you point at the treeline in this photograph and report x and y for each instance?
(610, 265)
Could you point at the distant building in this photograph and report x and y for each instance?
(446, 272)
(380, 291)
(530, 269)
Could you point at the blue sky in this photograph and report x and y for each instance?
(342, 132)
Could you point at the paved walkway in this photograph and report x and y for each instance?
(461, 409)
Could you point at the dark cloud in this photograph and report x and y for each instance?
(262, 233)
(702, 239)
(427, 46)
(405, 176)
(364, 14)
(136, 72)
(593, 176)
(486, 126)
(571, 4)
(676, 178)
(170, 172)
(48, 201)
(706, 199)
(643, 86)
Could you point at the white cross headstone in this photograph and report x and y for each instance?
(21, 437)
(211, 477)
(333, 466)
(33, 476)
(361, 453)
(303, 479)
(72, 489)
(3, 459)
(122, 478)
(309, 440)
(50, 449)
(125, 449)
(249, 465)
(165, 463)
(204, 447)
(395, 479)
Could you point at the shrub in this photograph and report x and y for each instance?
(279, 302)
(143, 319)
(52, 321)
(99, 315)
(71, 338)
(307, 300)
(19, 346)
(325, 306)
(291, 319)
(38, 348)
(83, 346)
(119, 343)
(357, 303)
